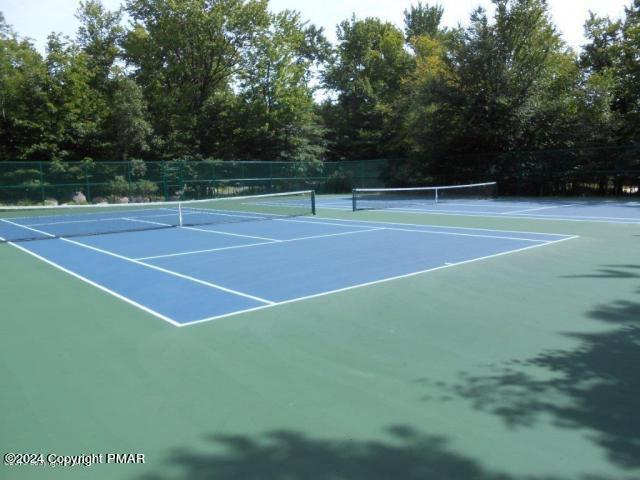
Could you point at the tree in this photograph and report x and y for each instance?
(130, 128)
(98, 37)
(610, 62)
(421, 20)
(365, 74)
(629, 72)
(24, 104)
(79, 112)
(276, 92)
(426, 93)
(182, 53)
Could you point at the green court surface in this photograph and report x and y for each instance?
(518, 367)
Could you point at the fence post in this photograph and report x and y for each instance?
(86, 180)
(165, 187)
(42, 191)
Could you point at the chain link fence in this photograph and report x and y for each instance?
(594, 171)
(29, 183)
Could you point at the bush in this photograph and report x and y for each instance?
(340, 181)
(145, 189)
(118, 187)
(138, 168)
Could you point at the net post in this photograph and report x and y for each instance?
(313, 202)
(180, 222)
(353, 199)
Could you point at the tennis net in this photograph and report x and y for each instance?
(385, 198)
(19, 224)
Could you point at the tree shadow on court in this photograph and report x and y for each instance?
(594, 387)
(612, 271)
(289, 455)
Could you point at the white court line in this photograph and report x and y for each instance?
(107, 210)
(270, 304)
(524, 216)
(375, 282)
(455, 204)
(153, 267)
(320, 222)
(107, 219)
(145, 221)
(513, 212)
(344, 201)
(197, 229)
(194, 252)
(219, 232)
(483, 204)
(199, 211)
(580, 217)
(140, 220)
(417, 209)
(429, 232)
(98, 286)
(289, 240)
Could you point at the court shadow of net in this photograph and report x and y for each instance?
(289, 455)
(593, 387)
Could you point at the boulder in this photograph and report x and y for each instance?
(79, 198)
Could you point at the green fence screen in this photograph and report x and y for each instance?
(25, 183)
(592, 171)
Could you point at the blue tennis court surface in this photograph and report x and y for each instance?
(189, 275)
(545, 209)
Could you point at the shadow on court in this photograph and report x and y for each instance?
(594, 387)
(612, 271)
(288, 455)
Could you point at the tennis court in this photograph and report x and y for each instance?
(482, 201)
(192, 275)
(320, 342)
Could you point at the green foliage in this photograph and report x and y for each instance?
(137, 167)
(145, 189)
(78, 110)
(130, 130)
(610, 63)
(184, 52)
(25, 107)
(193, 79)
(276, 102)
(98, 36)
(119, 187)
(421, 20)
(366, 73)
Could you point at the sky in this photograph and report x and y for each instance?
(37, 18)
